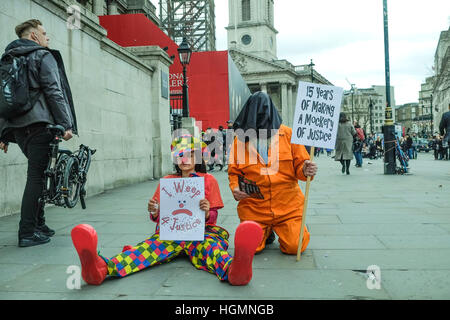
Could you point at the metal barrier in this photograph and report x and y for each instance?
(176, 111)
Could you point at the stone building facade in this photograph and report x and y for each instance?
(425, 121)
(117, 96)
(252, 44)
(407, 116)
(110, 7)
(365, 107)
(368, 106)
(441, 81)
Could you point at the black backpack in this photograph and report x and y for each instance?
(16, 98)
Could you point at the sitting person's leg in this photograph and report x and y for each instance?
(211, 254)
(148, 253)
(288, 231)
(95, 268)
(247, 238)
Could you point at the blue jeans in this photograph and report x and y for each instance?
(358, 158)
(410, 153)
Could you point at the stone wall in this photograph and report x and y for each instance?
(117, 98)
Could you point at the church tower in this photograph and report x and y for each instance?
(251, 27)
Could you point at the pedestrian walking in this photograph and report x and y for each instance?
(409, 146)
(372, 147)
(210, 255)
(435, 147)
(229, 137)
(50, 101)
(344, 143)
(444, 129)
(441, 148)
(358, 145)
(279, 206)
(317, 152)
(223, 135)
(379, 147)
(214, 144)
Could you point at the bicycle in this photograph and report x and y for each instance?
(66, 173)
(402, 158)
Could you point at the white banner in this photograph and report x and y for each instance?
(316, 115)
(180, 216)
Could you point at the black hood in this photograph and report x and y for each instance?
(22, 46)
(258, 113)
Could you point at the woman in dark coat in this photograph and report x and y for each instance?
(344, 142)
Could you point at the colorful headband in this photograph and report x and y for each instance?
(186, 143)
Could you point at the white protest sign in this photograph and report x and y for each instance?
(316, 115)
(180, 216)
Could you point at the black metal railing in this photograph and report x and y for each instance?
(176, 111)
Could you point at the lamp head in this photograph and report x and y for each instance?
(184, 52)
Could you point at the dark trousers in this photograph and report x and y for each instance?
(34, 143)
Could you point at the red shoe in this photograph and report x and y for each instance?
(126, 248)
(247, 238)
(93, 268)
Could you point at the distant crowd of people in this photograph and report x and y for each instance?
(218, 143)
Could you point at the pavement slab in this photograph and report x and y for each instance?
(400, 224)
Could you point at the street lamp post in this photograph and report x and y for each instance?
(184, 52)
(352, 90)
(370, 115)
(422, 122)
(388, 128)
(431, 113)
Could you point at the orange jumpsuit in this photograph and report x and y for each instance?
(282, 206)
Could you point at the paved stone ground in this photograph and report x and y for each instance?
(399, 223)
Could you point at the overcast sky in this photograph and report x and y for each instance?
(345, 39)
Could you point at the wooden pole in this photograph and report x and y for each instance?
(305, 207)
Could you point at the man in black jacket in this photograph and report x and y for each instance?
(48, 82)
(444, 125)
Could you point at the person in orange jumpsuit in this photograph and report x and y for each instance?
(262, 153)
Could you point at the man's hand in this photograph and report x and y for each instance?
(239, 195)
(68, 135)
(153, 207)
(309, 168)
(204, 206)
(4, 147)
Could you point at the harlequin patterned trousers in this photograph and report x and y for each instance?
(210, 255)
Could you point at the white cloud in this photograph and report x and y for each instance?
(345, 39)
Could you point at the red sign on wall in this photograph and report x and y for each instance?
(207, 74)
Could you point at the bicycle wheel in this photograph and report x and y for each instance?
(71, 183)
(58, 179)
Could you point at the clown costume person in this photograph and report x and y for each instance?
(210, 254)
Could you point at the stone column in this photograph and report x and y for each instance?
(112, 8)
(291, 106)
(284, 104)
(294, 99)
(160, 108)
(98, 7)
(263, 86)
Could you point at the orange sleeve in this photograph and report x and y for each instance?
(156, 194)
(299, 155)
(233, 171)
(212, 192)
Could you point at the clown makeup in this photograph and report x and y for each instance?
(186, 163)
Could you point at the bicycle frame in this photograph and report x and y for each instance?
(53, 190)
(401, 156)
(66, 173)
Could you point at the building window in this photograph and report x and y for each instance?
(245, 10)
